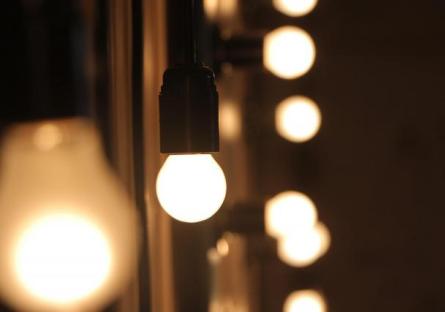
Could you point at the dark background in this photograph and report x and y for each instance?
(375, 170)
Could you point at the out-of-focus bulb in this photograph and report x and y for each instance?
(304, 246)
(191, 188)
(222, 246)
(289, 52)
(295, 8)
(68, 234)
(305, 301)
(61, 248)
(297, 119)
(229, 121)
(215, 9)
(288, 211)
(211, 8)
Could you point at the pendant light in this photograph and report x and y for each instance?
(190, 186)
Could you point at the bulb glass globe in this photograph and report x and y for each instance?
(297, 119)
(68, 233)
(305, 301)
(60, 248)
(288, 212)
(191, 188)
(289, 52)
(304, 246)
(295, 8)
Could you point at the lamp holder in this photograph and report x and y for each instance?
(188, 110)
(188, 101)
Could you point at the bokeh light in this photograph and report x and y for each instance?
(289, 52)
(222, 246)
(297, 119)
(305, 301)
(47, 136)
(191, 188)
(288, 211)
(295, 8)
(215, 9)
(68, 232)
(62, 258)
(229, 121)
(304, 246)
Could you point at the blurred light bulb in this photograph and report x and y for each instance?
(305, 301)
(68, 232)
(229, 121)
(295, 8)
(215, 9)
(222, 246)
(297, 119)
(289, 52)
(304, 246)
(211, 8)
(191, 188)
(61, 248)
(288, 211)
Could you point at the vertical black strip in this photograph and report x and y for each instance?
(138, 150)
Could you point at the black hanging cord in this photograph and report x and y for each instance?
(191, 54)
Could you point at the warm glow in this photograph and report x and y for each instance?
(229, 121)
(304, 247)
(228, 8)
(305, 301)
(289, 52)
(211, 8)
(289, 211)
(222, 246)
(62, 258)
(47, 136)
(191, 188)
(68, 233)
(220, 8)
(297, 119)
(295, 8)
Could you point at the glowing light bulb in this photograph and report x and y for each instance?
(229, 121)
(211, 8)
(304, 246)
(305, 301)
(288, 211)
(289, 52)
(222, 246)
(62, 247)
(191, 188)
(68, 232)
(297, 119)
(215, 9)
(295, 8)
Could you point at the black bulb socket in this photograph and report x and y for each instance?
(188, 110)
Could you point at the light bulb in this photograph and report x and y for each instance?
(68, 234)
(295, 8)
(211, 8)
(229, 121)
(304, 246)
(289, 52)
(305, 301)
(297, 119)
(215, 9)
(191, 188)
(288, 211)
